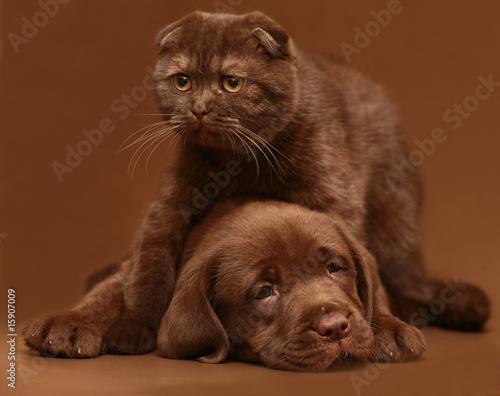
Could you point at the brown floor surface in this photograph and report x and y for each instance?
(66, 78)
(455, 364)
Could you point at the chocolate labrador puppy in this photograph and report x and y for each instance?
(275, 283)
(279, 284)
(267, 282)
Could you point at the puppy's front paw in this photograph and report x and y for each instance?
(131, 337)
(396, 341)
(65, 335)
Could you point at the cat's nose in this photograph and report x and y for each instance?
(200, 112)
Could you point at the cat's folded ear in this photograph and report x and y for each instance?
(168, 34)
(273, 38)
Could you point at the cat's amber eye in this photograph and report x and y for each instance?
(182, 82)
(232, 84)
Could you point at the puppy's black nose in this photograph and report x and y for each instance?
(334, 326)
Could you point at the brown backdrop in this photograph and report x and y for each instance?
(66, 68)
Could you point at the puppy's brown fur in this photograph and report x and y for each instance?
(312, 317)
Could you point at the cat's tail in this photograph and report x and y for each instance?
(454, 305)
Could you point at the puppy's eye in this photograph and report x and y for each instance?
(232, 84)
(182, 82)
(333, 267)
(264, 292)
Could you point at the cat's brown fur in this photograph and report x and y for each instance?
(304, 128)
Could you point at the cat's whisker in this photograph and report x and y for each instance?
(160, 141)
(226, 137)
(149, 142)
(245, 146)
(146, 137)
(252, 138)
(148, 127)
(265, 144)
(173, 122)
(184, 143)
(155, 114)
(177, 137)
(149, 148)
(234, 146)
(139, 153)
(150, 135)
(242, 137)
(268, 146)
(152, 130)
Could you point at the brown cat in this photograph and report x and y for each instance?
(260, 116)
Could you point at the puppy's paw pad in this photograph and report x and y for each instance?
(36, 331)
(64, 335)
(396, 341)
(131, 337)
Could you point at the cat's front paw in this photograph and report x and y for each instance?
(131, 337)
(396, 341)
(69, 334)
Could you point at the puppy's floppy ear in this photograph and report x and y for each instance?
(272, 37)
(190, 328)
(366, 271)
